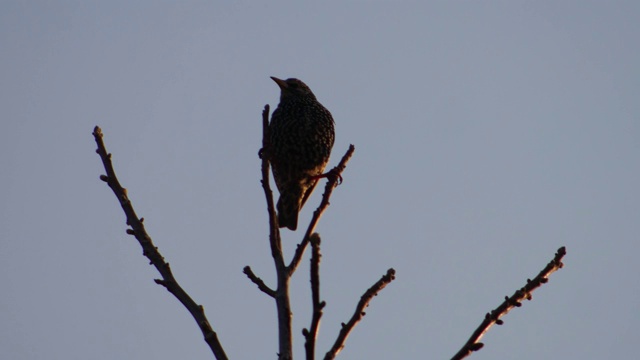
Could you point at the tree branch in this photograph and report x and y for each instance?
(494, 317)
(335, 175)
(256, 280)
(264, 153)
(359, 313)
(151, 252)
(312, 334)
(281, 294)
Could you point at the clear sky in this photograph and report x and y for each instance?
(487, 134)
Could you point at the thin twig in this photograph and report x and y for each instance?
(359, 313)
(494, 317)
(312, 334)
(256, 280)
(335, 175)
(151, 252)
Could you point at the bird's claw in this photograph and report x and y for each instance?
(264, 153)
(331, 175)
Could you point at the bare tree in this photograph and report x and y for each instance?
(285, 270)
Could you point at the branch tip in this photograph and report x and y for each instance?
(515, 300)
(359, 312)
(256, 280)
(315, 239)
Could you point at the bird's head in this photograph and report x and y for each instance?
(293, 88)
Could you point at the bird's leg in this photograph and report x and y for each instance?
(331, 174)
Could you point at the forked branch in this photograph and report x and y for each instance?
(283, 272)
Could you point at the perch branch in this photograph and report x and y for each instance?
(335, 175)
(281, 294)
(274, 233)
(494, 317)
(151, 252)
(312, 334)
(359, 313)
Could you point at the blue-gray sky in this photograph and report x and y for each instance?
(487, 135)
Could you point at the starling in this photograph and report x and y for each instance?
(301, 138)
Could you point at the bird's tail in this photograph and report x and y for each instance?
(288, 208)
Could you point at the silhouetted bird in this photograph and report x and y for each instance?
(302, 135)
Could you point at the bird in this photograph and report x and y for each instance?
(301, 136)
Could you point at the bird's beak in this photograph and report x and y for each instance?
(281, 83)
